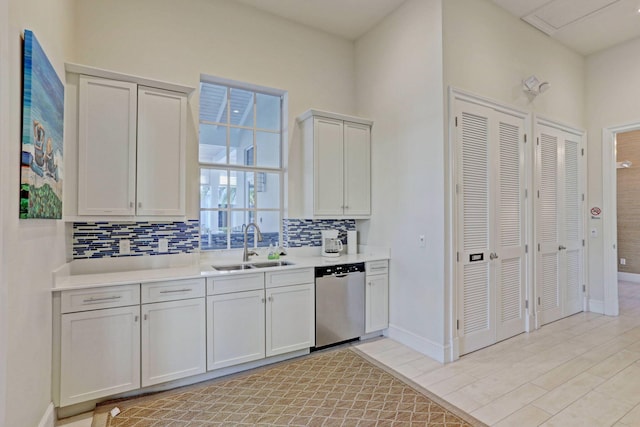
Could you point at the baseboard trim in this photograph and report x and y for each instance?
(48, 419)
(596, 306)
(629, 277)
(423, 345)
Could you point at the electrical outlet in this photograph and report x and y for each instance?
(125, 247)
(422, 242)
(163, 245)
(623, 261)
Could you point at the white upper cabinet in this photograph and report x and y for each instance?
(336, 165)
(162, 119)
(106, 147)
(131, 146)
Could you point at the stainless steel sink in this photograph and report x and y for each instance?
(271, 264)
(235, 267)
(252, 266)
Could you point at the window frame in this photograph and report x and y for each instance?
(229, 168)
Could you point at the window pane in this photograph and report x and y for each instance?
(213, 230)
(269, 223)
(242, 190)
(267, 190)
(213, 144)
(268, 146)
(241, 142)
(241, 107)
(213, 103)
(214, 188)
(238, 218)
(267, 112)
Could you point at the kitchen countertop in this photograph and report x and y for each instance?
(80, 274)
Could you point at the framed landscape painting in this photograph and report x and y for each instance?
(41, 168)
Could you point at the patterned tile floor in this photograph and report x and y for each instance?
(580, 371)
(332, 388)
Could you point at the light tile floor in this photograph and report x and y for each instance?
(580, 371)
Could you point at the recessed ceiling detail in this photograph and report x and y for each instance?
(557, 14)
(586, 26)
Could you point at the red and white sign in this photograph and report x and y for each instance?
(596, 211)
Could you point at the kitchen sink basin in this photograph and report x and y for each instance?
(271, 264)
(235, 267)
(252, 266)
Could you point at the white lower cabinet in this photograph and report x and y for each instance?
(100, 353)
(377, 296)
(173, 340)
(235, 328)
(290, 318)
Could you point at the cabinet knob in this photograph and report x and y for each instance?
(262, 299)
(130, 204)
(346, 207)
(135, 319)
(139, 204)
(145, 317)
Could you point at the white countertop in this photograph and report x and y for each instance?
(80, 274)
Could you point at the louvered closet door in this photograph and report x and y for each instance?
(491, 267)
(510, 227)
(476, 299)
(571, 233)
(548, 226)
(559, 224)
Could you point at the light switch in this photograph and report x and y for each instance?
(594, 233)
(163, 245)
(422, 241)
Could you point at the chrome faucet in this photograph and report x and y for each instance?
(247, 253)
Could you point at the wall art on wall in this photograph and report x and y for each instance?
(41, 168)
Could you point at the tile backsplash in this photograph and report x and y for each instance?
(306, 232)
(101, 239)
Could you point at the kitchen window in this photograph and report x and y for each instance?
(241, 162)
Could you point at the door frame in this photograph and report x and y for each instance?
(539, 119)
(610, 216)
(455, 94)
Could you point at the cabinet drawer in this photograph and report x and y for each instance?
(377, 267)
(235, 283)
(172, 290)
(289, 277)
(97, 298)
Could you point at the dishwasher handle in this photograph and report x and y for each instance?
(340, 276)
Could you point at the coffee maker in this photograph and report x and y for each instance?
(331, 244)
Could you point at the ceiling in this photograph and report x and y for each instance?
(586, 26)
(346, 18)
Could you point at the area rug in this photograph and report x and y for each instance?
(340, 387)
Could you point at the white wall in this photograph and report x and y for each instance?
(399, 86)
(4, 194)
(489, 52)
(31, 248)
(179, 40)
(612, 79)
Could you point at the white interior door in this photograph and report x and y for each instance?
(559, 266)
(491, 270)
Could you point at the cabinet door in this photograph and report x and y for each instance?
(235, 328)
(173, 340)
(377, 303)
(328, 180)
(357, 169)
(100, 354)
(106, 147)
(290, 318)
(162, 118)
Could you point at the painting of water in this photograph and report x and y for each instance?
(42, 135)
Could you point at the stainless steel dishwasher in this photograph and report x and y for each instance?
(339, 303)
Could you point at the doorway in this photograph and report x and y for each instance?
(610, 216)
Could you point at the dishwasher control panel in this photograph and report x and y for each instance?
(339, 269)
